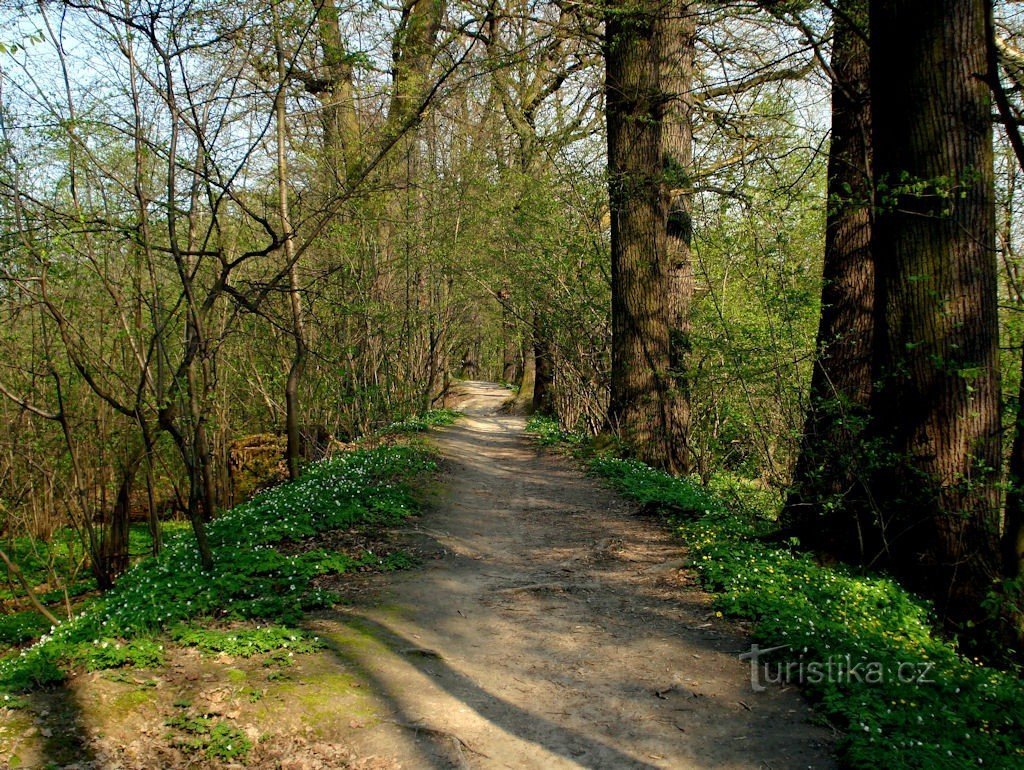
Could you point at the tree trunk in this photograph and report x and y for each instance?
(293, 451)
(936, 407)
(1013, 529)
(828, 468)
(337, 97)
(524, 396)
(511, 345)
(544, 374)
(679, 40)
(113, 556)
(640, 407)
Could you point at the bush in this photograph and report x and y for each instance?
(548, 432)
(20, 627)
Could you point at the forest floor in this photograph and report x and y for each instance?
(548, 626)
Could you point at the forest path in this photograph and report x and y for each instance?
(553, 630)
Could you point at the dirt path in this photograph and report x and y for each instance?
(554, 630)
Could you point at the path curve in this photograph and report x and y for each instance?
(553, 630)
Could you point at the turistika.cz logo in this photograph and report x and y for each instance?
(838, 669)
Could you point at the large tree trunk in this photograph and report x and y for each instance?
(828, 468)
(936, 407)
(678, 44)
(640, 407)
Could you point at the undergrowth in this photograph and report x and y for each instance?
(548, 432)
(423, 422)
(201, 734)
(864, 649)
(252, 577)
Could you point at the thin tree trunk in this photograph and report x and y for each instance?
(524, 397)
(831, 450)
(936, 408)
(298, 364)
(39, 607)
(512, 348)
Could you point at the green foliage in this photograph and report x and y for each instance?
(214, 738)
(547, 432)
(20, 627)
(423, 422)
(34, 669)
(655, 490)
(904, 695)
(253, 577)
(62, 554)
(756, 311)
(105, 653)
(245, 642)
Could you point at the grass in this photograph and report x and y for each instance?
(866, 651)
(255, 576)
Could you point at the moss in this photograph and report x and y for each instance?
(325, 696)
(127, 701)
(235, 675)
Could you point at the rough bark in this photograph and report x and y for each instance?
(679, 41)
(413, 51)
(820, 508)
(112, 558)
(936, 408)
(640, 404)
(337, 96)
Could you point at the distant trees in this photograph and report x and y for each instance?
(299, 223)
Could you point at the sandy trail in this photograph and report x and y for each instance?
(554, 630)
